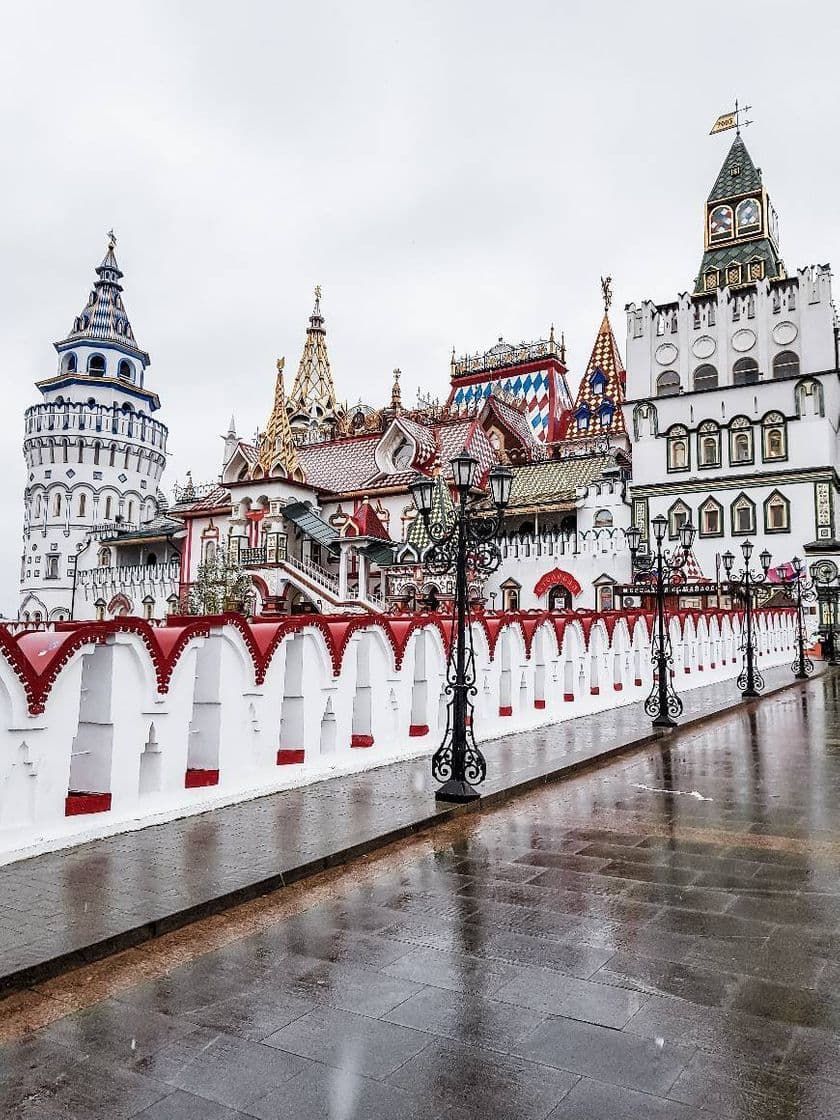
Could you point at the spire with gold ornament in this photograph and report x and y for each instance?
(597, 408)
(277, 444)
(312, 401)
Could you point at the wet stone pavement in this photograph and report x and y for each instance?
(656, 939)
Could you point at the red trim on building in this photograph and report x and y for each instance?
(287, 756)
(418, 730)
(618, 687)
(195, 778)
(595, 690)
(78, 804)
(539, 704)
(556, 577)
(361, 740)
(505, 710)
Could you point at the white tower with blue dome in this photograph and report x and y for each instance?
(94, 451)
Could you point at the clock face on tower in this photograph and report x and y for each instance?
(720, 223)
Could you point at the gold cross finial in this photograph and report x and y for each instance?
(318, 292)
(112, 239)
(606, 291)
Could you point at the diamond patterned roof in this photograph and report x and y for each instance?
(739, 174)
(313, 392)
(601, 392)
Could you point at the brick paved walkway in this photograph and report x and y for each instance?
(657, 939)
(57, 908)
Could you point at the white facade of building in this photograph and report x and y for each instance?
(94, 454)
(733, 392)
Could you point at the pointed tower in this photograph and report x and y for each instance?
(741, 238)
(277, 445)
(597, 409)
(312, 403)
(94, 452)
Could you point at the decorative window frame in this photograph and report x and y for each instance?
(740, 502)
(817, 391)
(741, 425)
(717, 239)
(708, 428)
(709, 503)
(773, 421)
(678, 506)
(753, 227)
(776, 495)
(676, 433)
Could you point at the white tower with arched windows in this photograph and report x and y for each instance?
(94, 452)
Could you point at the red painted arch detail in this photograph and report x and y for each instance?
(556, 577)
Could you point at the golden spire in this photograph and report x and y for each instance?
(277, 444)
(396, 394)
(313, 393)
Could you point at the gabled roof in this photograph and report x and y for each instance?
(104, 318)
(738, 175)
(366, 522)
(607, 369)
(514, 419)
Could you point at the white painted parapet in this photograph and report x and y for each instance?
(107, 726)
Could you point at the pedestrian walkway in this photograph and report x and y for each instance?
(75, 904)
(656, 939)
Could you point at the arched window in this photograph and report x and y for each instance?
(148, 607)
(69, 363)
(57, 505)
(582, 418)
(720, 223)
(786, 364)
(668, 384)
(748, 215)
(104, 558)
(678, 515)
(125, 370)
(100, 610)
(743, 516)
(113, 454)
(603, 519)
(809, 398)
(209, 551)
(745, 371)
(708, 444)
(677, 442)
(151, 560)
(108, 504)
(96, 448)
(740, 440)
(706, 377)
(96, 364)
(777, 513)
(773, 437)
(711, 519)
(82, 503)
(81, 450)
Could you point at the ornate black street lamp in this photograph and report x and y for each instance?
(745, 582)
(803, 666)
(466, 542)
(825, 576)
(662, 572)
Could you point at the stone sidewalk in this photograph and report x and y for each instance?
(62, 908)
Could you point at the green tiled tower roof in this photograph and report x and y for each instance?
(739, 175)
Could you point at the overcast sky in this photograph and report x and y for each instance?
(448, 171)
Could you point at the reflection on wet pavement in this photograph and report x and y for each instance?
(607, 948)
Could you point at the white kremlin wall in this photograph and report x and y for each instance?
(110, 726)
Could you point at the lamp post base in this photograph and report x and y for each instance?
(665, 721)
(750, 693)
(454, 790)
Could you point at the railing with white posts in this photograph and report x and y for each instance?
(105, 723)
(312, 571)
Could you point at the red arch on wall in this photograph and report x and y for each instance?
(554, 578)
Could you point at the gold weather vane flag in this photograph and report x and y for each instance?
(724, 122)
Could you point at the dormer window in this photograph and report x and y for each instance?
(605, 412)
(598, 382)
(582, 419)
